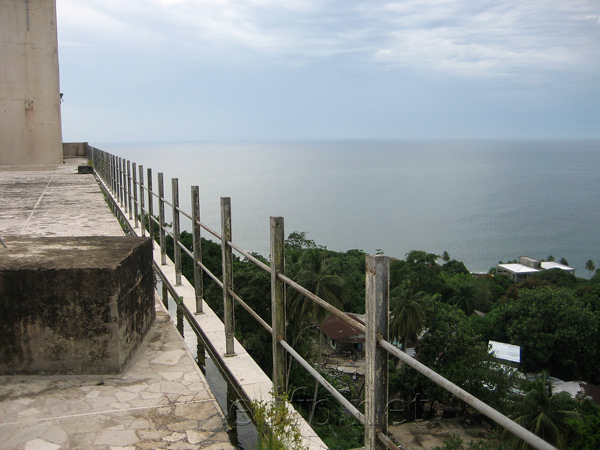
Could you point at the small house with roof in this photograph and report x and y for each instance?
(343, 337)
(528, 266)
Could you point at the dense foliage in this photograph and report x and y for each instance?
(438, 307)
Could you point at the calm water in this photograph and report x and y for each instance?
(482, 201)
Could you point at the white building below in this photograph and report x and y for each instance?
(528, 266)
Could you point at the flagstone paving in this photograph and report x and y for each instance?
(161, 401)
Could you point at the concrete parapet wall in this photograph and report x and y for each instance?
(75, 304)
(74, 149)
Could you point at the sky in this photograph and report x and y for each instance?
(196, 70)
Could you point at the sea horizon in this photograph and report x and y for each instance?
(482, 200)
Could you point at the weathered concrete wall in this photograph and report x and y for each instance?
(30, 123)
(74, 149)
(73, 305)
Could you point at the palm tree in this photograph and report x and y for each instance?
(313, 272)
(464, 298)
(544, 414)
(408, 318)
(589, 265)
(445, 256)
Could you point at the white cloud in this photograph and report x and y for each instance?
(483, 38)
(240, 55)
(489, 39)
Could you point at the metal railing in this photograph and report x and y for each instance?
(126, 180)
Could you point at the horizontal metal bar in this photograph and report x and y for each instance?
(210, 230)
(210, 274)
(182, 212)
(250, 311)
(318, 300)
(470, 399)
(184, 248)
(248, 256)
(387, 441)
(323, 382)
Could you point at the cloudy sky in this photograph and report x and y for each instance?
(184, 70)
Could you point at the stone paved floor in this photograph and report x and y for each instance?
(54, 202)
(161, 401)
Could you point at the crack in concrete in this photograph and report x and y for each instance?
(36, 205)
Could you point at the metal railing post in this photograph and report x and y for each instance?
(227, 261)
(176, 230)
(110, 169)
(376, 358)
(278, 304)
(161, 219)
(165, 295)
(115, 175)
(196, 229)
(112, 174)
(142, 208)
(129, 191)
(135, 195)
(122, 181)
(117, 181)
(150, 207)
(126, 184)
(101, 165)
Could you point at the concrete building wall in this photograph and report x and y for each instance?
(30, 122)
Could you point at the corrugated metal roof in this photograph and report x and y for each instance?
(506, 352)
(518, 268)
(554, 265)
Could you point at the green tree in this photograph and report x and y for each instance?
(564, 261)
(351, 267)
(253, 285)
(545, 414)
(408, 318)
(314, 274)
(556, 331)
(590, 296)
(452, 348)
(590, 266)
(587, 426)
(464, 298)
(419, 272)
(445, 256)
(297, 241)
(453, 267)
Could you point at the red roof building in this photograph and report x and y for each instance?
(341, 336)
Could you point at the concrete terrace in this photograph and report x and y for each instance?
(161, 400)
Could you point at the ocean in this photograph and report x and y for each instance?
(482, 201)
